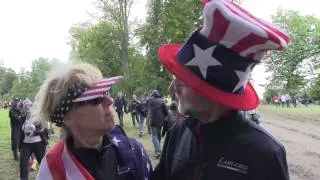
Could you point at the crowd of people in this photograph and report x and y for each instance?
(206, 137)
(27, 138)
(286, 100)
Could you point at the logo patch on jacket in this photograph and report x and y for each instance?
(233, 166)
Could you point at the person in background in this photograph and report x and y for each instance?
(143, 111)
(294, 101)
(78, 101)
(288, 100)
(15, 124)
(121, 107)
(211, 73)
(283, 100)
(34, 140)
(132, 108)
(50, 131)
(276, 100)
(157, 112)
(171, 119)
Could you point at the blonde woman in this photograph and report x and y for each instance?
(93, 148)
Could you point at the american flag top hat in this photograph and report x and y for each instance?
(81, 92)
(218, 58)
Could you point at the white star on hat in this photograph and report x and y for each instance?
(142, 152)
(148, 167)
(203, 59)
(243, 77)
(116, 141)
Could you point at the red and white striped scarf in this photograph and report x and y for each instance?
(60, 164)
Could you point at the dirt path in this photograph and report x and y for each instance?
(302, 143)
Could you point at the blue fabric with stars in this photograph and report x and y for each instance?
(134, 157)
(215, 64)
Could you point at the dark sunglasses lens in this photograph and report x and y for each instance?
(94, 102)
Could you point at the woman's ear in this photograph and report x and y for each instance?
(68, 119)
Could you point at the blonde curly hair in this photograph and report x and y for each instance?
(54, 89)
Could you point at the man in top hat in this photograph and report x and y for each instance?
(211, 72)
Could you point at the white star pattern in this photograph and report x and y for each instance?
(142, 152)
(203, 59)
(243, 77)
(148, 167)
(116, 141)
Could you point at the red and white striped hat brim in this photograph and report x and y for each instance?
(98, 89)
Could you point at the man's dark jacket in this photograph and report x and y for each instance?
(15, 116)
(157, 111)
(120, 104)
(228, 149)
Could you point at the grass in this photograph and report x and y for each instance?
(9, 169)
(300, 113)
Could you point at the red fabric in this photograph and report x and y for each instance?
(220, 27)
(247, 42)
(55, 163)
(248, 100)
(273, 29)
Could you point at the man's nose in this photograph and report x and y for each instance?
(108, 101)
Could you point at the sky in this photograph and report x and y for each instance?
(40, 28)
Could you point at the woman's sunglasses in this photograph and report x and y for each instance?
(94, 102)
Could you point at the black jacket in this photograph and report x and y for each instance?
(229, 149)
(133, 105)
(95, 161)
(142, 108)
(15, 116)
(120, 104)
(157, 111)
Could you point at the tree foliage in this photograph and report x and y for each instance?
(167, 21)
(118, 13)
(293, 67)
(7, 77)
(98, 45)
(26, 83)
(315, 89)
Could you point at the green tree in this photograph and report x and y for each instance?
(8, 76)
(315, 89)
(98, 45)
(39, 70)
(22, 87)
(118, 13)
(27, 83)
(167, 21)
(289, 69)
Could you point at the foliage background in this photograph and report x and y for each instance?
(119, 45)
